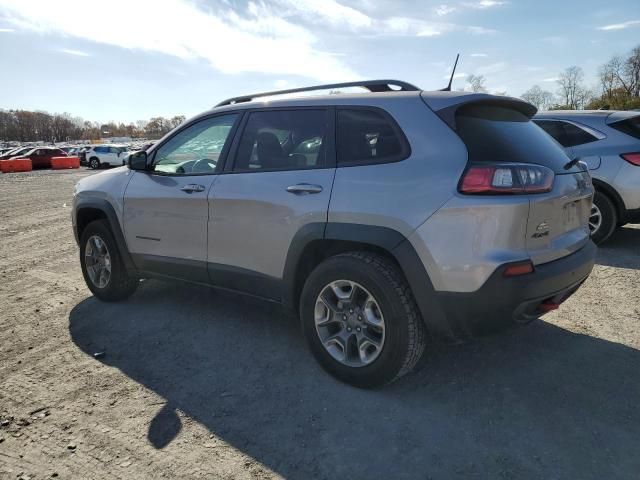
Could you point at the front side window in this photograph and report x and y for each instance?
(197, 148)
(368, 136)
(283, 140)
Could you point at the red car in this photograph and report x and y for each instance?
(41, 157)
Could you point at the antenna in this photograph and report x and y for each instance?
(453, 72)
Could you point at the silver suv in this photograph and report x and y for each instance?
(379, 218)
(609, 143)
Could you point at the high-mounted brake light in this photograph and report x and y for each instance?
(506, 179)
(632, 158)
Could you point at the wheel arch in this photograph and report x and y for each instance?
(615, 197)
(317, 242)
(89, 210)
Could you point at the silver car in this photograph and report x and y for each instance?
(380, 219)
(609, 143)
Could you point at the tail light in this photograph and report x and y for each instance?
(632, 158)
(506, 179)
(517, 269)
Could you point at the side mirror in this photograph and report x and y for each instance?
(138, 160)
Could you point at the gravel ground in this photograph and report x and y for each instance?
(184, 382)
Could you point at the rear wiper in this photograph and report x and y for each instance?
(571, 163)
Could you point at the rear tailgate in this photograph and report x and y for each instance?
(498, 130)
(558, 223)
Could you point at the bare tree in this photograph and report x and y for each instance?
(542, 99)
(631, 71)
(571, 89)
(477, 83)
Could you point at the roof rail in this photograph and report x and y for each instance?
(371, 85)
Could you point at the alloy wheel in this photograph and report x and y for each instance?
(97, 261)
(595, 219)
(349, 323)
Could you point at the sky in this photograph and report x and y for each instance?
(128, 60)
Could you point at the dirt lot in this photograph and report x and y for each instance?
(195, 384)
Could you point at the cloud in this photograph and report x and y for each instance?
(620, 26)
(444, 9)
(231, 43)
(478, 55)
(6, 30)
(328, 11)
(77, 53)
(456, 76)
(482, 4)
(550, 79)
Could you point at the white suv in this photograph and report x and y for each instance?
(110, 155)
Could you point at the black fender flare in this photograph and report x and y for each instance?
(390, 240)
(105, 207)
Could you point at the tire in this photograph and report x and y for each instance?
(120, 285)
(404, 333)
(608, 218)
(94, 163)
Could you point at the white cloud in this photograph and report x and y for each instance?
(329, 11)
(456, 76)
(444, 9)
(6, 30)
(550, 79)
(478, 55)
(482, 4)
(620, 26)
(77, 53)
(255, 42)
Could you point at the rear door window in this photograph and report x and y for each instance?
(283, 140)
(367, 136)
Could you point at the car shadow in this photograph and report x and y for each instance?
(622, 249)
(534, 402)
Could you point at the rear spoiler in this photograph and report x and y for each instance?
(446, 104)
(621, 115)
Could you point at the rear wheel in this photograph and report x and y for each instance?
(94, 163)
(603, 218)
(360, 319)
(102, 266)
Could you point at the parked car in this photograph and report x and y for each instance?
(609, 143)
(97, 156)
(15, 152)
(461, 218)
(41, 157)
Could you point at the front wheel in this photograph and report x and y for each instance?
(94, 163)
(102, 267)
(360, 319)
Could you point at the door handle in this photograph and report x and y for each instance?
(304, 189)
(192, 187)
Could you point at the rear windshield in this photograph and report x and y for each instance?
(498, 134)
(630, 126)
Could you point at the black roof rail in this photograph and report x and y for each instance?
(371, 85)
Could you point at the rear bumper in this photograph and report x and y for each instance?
(502, 301)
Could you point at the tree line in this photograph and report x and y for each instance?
(28, 126)
(618, 87)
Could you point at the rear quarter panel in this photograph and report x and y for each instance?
(402, 195)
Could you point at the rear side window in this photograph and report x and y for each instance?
(565, 133)
(576, 136)
(368, 136)
(630, 126)
(283, 140)
(500, 134)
